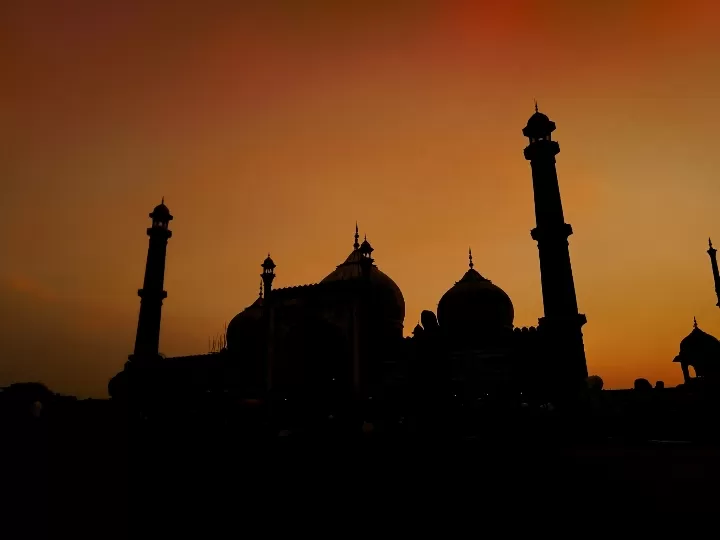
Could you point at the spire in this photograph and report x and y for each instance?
(695, 323)
(470, 258)
(357, 237)
(536, 106)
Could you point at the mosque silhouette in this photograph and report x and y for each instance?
(341, 340)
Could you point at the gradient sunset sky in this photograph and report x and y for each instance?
(276, 128)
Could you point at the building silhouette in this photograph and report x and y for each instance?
(147, 338)
(700, 350)
(562, 321)
(341, 340)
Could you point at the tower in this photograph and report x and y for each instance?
(562, 323)
(268, 274)
(152, 294)
(716, 275)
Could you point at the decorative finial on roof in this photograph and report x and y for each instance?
(710, 243)
(470, 258)
(261, 288)
(357, 237)
(365, 238)
(536, 106)
(694, 322)
(162, 201)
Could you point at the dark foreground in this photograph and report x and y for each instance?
(112, 483)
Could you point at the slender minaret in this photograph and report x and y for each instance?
(152, 294)
(716, 275)
(562, 323)
(267, 276)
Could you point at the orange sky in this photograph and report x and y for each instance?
(275, 129)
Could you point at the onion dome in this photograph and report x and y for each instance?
(245, 326)
(474, 303)
(357, 266)
(699, 345)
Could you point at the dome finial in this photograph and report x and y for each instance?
(357, 237)
(162, 201)
(694, 322)
(536, 106)
(470, 258)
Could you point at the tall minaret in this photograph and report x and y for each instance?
(716, 275)
(152, 294)
(562, 322)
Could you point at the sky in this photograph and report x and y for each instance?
(274, 126)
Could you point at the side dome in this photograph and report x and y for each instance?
(245, 326)
(474, 303)
(392, 302)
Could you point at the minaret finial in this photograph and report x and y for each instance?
(356, 245)
(536, 106)
(710, 243)
(162, 201)
(470, 258)
(694, 322)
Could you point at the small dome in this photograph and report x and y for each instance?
(366, 248)
(161, 212)
(474, 303)
(539, 125)
(245, 325)
(699, 344)
(268, 262)
(161, 209)
(539, 119)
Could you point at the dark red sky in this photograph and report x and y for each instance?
(275, 128)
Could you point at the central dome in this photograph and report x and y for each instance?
(393, 303)
(474, 303)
